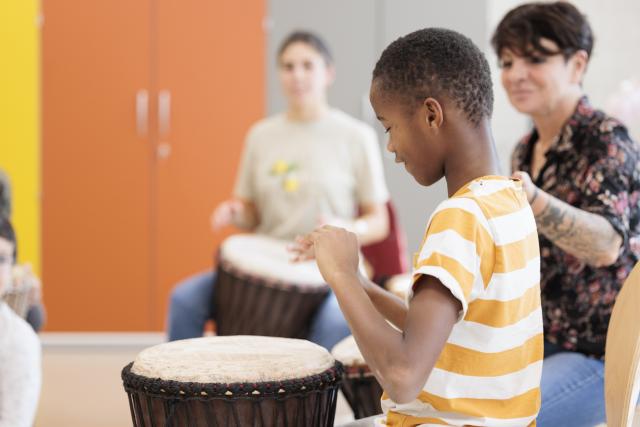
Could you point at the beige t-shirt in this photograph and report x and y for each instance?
(295, 173)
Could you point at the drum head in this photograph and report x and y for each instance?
(348, 353)
(268, 258)
(400, 285)
(233, 359)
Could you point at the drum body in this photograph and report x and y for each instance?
(260, 292)
(262, 397)
(359, 385)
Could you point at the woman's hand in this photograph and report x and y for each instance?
(528, 186)
(334, 249)
(227, 213)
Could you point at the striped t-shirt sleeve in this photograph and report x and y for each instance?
(457, 250)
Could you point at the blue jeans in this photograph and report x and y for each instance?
(572, 389)
(190, 307)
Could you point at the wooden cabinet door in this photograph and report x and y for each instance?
(96, 165)
(210, 74)
(145, 108)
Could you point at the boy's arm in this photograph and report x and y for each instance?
(390, 306)
(401, 361)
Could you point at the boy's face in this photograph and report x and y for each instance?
(6, 263)
(411, 139)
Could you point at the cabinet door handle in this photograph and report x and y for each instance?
(142, 112)
(164, 112)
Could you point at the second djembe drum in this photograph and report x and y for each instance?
(259, 291)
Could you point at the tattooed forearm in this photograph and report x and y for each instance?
(588, 237)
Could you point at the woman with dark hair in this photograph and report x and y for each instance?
(328, 168)
(20, 354)
(581, 173)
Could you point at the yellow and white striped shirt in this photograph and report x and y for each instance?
(482, 244)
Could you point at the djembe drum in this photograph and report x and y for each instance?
(360, 387)
(232, 382)
(259, 291)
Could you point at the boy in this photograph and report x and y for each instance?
(470, 350)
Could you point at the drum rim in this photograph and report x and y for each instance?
(304, 288)
(180, 390)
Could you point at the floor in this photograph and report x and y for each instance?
(82, 386)
(81, 380)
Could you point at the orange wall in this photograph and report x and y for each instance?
(121, 223)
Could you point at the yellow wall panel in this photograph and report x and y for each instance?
(20, 119)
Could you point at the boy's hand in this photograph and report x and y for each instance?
(335, 250)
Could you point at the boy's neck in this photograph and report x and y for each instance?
(472, 154)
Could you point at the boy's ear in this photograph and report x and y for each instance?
(434, 115)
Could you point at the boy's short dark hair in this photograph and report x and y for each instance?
(7, 232)
(312, 39)
(522, 28)
(437, 62)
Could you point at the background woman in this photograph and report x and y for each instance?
(581, 172)
(309, 165)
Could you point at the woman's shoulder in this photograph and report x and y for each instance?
(601, 132)
(267, 124)
(597, 122)
(265, 131)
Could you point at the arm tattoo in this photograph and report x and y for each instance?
(588, 237)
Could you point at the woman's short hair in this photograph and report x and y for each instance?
(522, 28)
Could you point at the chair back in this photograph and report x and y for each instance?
(622, 363)
(389, 256)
